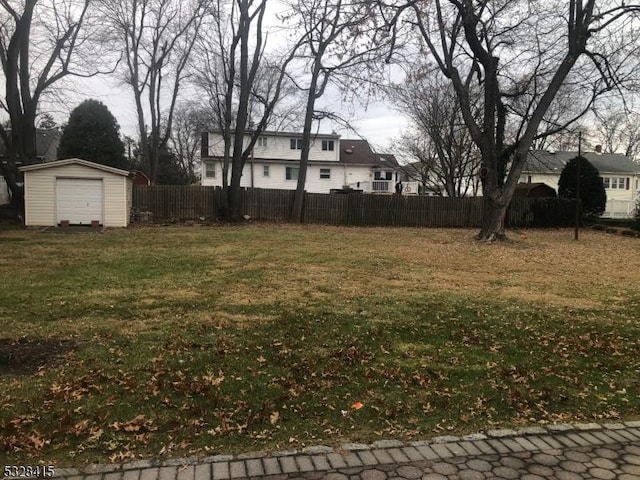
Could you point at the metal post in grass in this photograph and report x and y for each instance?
(577, 228)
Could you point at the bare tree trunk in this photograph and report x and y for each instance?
(493, 218)
(26, 81)
(298, 201)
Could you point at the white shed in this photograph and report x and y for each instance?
(78, 192)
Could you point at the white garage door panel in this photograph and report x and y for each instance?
(79, 200)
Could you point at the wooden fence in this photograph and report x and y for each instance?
(179, 203)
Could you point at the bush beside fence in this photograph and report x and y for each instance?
(180, 203)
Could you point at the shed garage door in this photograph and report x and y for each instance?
(79, 200)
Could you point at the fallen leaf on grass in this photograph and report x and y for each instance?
(274, 417)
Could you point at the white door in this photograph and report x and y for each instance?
(78, 200)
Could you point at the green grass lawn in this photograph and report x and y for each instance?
(154, 342)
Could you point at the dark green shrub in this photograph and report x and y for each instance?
(93, 134)
(593, 197)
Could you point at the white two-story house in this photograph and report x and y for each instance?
(621, 176)
(334, 163)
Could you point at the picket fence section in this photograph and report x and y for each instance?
(181, 203)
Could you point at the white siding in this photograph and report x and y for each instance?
(612, 193)
(620, 202)
(40, 194)
(340, 176)
(279, 147)
(355, 175)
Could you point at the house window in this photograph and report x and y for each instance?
(210, 170)
(262, 141)
(265, 170)
(383, 175)
(605, 181)
(325, 173)
(327, 145)
(616, 183)
(292, 173)
(295, 144)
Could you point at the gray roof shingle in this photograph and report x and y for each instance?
(541, 161)
(359, 152)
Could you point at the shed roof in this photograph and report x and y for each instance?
(523, 189)
(542, 161)
(74, 161)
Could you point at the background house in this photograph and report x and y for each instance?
(334, 163)
(620, 175)
(428, 178)
(47, 141)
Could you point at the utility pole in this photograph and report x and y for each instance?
(577, 228)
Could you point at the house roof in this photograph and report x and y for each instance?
(74, 161)
(542, 161)
(389, 159)
(47, 141)
(359, 152)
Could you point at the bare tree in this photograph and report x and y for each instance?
(419, 158)
(40, 42)
(341, 42)
(156, 38)
(521, 54)
(439, 141)
(243, 84)
(190, 120)
(563, 112)
(617, 130)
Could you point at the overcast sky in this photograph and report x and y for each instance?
(375, 122)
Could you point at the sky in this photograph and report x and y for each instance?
(375, 122)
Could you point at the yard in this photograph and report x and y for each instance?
(179, 341)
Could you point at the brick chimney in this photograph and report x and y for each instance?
(598, 148)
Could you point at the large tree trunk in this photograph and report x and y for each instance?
(298, 201)
(234, 198)
(493, 217)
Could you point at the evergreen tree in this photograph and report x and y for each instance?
(593, 197)
(93, 134)
(170, 171)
